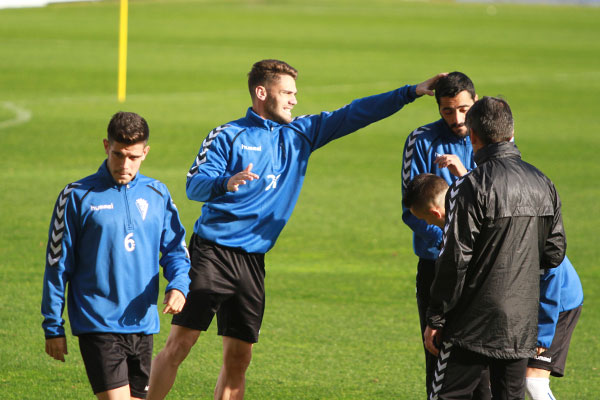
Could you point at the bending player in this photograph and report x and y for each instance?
(561, 294)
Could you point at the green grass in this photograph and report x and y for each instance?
(341, 320)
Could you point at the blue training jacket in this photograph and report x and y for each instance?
(253, 217)
(560, 290)
(103, 247)
(422, 147)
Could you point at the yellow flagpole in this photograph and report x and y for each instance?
(123, 52)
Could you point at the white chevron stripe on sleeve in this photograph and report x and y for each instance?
(408, 155)
(58, 226)
(201, 157)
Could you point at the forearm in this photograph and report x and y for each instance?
(53, 303)
(205, 188)
(175, 256)
(177, 274)
(359, 113)
(556, 243)
(549, 309)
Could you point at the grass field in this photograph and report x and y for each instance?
(341, 320)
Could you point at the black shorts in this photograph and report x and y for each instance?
(555, 358)
(113, 360)
(226, 281)
(463, 374)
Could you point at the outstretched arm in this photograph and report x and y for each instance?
(322, 128)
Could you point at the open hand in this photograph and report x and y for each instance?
(241, 178)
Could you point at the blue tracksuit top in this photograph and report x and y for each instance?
(104, 244)
(560, 290)
(422, 147)
(252, 218)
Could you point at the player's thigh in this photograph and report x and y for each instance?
(139, 362)
(105, 361)
(555, 358)
(241, 315)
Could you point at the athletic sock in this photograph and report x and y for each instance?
(539, 389)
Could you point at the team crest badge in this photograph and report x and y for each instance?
(142, 206)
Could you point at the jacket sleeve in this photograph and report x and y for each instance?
(413, 164)
(206, 178)
(550, 288)
(60, 262)
(174, 254)
(556, 243)
(463, 222)
(327, 126)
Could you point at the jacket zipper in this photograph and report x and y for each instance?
(129, 224)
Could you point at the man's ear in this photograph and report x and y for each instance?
(436, 212)
(260, 92)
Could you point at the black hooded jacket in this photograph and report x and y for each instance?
(503, 224)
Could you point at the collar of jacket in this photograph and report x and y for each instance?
(260, 121)
(496, 150)
(449, 133)
(108, 179)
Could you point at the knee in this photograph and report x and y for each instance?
(177, 348)
(238, 360)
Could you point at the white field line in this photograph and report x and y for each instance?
(33, 3)
(22, 115)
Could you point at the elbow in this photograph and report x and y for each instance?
(192, 192)
(188, 191)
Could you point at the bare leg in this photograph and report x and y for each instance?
(120, 393)
(232, 379)
(537, 373)
(166, 363)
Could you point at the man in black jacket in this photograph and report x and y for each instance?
(502, 226)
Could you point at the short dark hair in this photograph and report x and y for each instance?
(452, 84)
(128, 128)
(491, 120)
(422, 190)
(267, 71)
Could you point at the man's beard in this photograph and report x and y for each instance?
(270, 111)
(453, 128)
